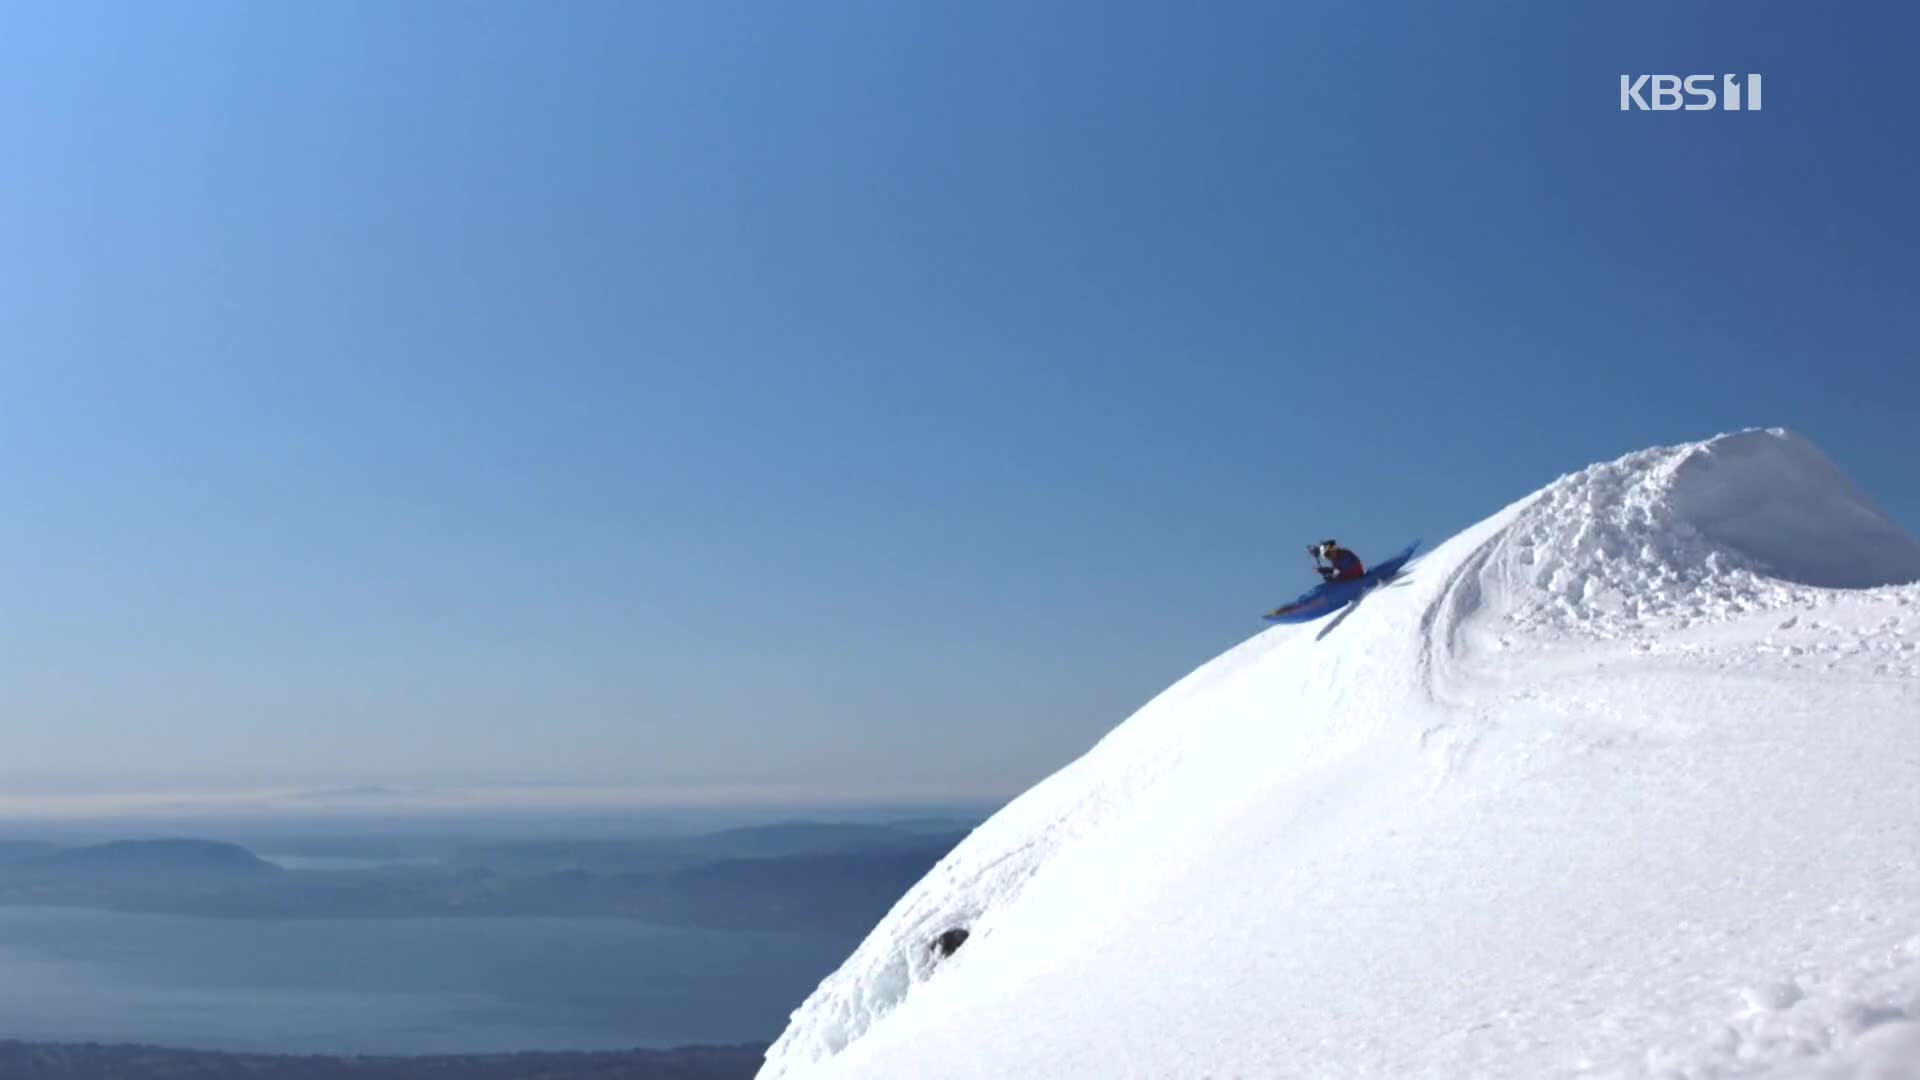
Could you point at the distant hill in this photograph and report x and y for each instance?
(841, 892)
(934, 824)
(361, 792)
(147, 858)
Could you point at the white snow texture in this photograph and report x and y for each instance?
(1623, 781)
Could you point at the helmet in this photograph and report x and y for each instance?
(1327, 547)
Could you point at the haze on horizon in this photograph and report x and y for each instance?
(111, 807)
(866, 402)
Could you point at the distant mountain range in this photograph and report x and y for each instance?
(134, 858)
(792, 876)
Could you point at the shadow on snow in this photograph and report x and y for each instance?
(1397, 581)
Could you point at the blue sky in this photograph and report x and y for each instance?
(853, 399)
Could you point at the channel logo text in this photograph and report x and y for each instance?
(1693, 93)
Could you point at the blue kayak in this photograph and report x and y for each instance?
(1330, 596)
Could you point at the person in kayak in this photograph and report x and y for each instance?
(1345, 564)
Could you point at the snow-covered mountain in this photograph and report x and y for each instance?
(1623, 781)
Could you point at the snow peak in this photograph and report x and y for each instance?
(1694, 93)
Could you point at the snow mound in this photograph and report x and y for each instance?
(1622, 781)
(1708, 529)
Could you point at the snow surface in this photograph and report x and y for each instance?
(1615, 783)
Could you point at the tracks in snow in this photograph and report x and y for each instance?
(1464, 718)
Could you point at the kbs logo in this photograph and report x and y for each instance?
(1694, 93)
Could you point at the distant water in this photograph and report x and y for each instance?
(396, 986)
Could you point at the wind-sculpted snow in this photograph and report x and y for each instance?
(1615, 783)
(1668, 537)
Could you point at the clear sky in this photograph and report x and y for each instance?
(853, 399)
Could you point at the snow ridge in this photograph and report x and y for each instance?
(1622, 781)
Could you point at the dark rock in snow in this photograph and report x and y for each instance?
(948, 943)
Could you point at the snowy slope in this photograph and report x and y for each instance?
(1615, 783)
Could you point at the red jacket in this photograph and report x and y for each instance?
(1346, 565)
